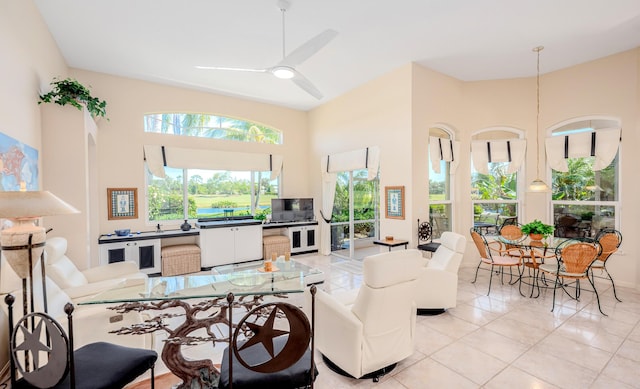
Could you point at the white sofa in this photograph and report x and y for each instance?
(366, 331)
(438, 282)
(92, 323)
(78, 284)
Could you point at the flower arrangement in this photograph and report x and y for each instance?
(537, 227)
(70, 91)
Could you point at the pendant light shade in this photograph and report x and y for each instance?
(538, 185)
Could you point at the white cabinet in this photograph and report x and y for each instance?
(145, 252)
(224, 245)
(303, 238)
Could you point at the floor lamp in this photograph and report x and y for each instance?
(23, 243)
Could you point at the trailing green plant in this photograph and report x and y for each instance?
(70, 91)
(537, 227)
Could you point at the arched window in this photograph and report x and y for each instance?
(585, 189)
(497, 156)
(442, 162)
(210, 126)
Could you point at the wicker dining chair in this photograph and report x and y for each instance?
(574, 264)
(492, 254)
(609, 239)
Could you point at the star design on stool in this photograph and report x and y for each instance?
(32, 343)
(264, 334)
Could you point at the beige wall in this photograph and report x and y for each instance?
(30, 59)
(608, 86)
(376, 114)
(121, 138)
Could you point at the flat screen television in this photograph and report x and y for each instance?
(291, 210)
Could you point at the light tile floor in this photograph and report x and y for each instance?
(506, 340)
(499, 341)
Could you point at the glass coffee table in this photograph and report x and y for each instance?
(205, 301)
(282, 270)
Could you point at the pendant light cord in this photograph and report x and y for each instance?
(538, 49)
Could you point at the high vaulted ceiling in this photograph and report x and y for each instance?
(163, 40)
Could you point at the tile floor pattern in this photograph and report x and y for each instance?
(508, 341)
(503, 340)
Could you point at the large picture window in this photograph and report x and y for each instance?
(585, 200)
(495, 194)
(197, 193)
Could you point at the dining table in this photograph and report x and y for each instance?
(535, 252)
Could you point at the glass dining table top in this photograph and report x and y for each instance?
(549, 243)
(240, 283)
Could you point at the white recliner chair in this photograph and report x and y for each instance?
(366, 332)
(77, 284)
(438, 283)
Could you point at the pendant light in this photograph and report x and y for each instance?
(538, 185)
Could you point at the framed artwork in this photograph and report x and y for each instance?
(394, 200)
(123, 203)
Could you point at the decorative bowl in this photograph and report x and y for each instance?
(123, 232)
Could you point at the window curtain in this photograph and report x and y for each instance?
(158, 157)
(484, 152)
(330, 165)
(601, 144)
(443, 149)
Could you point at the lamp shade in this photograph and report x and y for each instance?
(25, 240)
(32, 204)
(538, 185)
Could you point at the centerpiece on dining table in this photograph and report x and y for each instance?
(537, 230)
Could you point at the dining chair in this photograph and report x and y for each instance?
(574, 264)
(42, 355)
(609, 239)
(492, 254)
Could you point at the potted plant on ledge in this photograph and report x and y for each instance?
(70, 91)
(537, 230)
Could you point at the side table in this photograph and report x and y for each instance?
(392, 243)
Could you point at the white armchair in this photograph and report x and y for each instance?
(438, 283)
(365, 335)
(78, 284)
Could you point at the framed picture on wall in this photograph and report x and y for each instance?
(123, 203)
(394, 200)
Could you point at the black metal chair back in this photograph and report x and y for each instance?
(269, 355)
(42, 356)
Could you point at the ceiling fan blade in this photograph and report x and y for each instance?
(306, 85)
(308, 48)
(233, 69)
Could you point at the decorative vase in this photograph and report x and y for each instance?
(536, 236)
(185, 226)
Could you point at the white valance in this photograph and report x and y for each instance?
(158, 157)
(443, 149)
(368, 158)
(601, 144)
(505, 150)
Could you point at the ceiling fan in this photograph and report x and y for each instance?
(286, 68)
